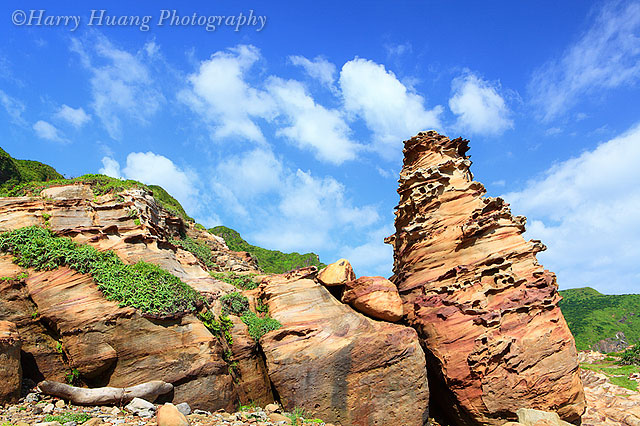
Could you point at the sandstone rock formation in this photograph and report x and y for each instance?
(376, 297)
(10, 368)
(338, 364)
(608, 404)
(337, 273)
(485, 309)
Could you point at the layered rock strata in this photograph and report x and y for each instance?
(338, 364)
(486, 311)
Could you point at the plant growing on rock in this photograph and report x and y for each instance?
(143, 286)
(631, 356)
(244, 282)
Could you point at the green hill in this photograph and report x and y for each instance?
(593, 316)
(14, 172)
(271, 261)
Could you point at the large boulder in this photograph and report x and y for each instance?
(10, 367)
(337, 273)
(376, 297)
(486, 310)
(338, 364)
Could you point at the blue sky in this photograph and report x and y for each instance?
(290, 130)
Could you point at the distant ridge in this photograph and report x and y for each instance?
(593, 316)
(271, 261)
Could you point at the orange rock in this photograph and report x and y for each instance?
(168, 415)
(376, 297)
(473, 289)
(338, 364)
(338, 273)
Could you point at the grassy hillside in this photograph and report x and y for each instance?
(593, 316)
(14, 172)
(271, 261)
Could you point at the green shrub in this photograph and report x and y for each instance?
(631, 356)
(199, 249)
(68, 417)
(220, 327)
(143, 286)
(73, 377)
(234, 303)
(244, 282)
(257, 326)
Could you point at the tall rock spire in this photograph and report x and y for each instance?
(486, 310)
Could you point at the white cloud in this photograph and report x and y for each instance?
(76, 117)
(14, 108)
(606, 56)
(311, 125)
(219, 93)
(319, 69)
(47, 131)
(121, 84)
(110, 167)
(586, 209)
(479, 107)
(391, 111)
(307, 213)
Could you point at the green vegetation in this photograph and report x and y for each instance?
(631, 356)
(271, 261)
(220, 327)
(79, 418)
(169, 203)
(199, 249)
(244, 282)
(73, 376)
(299, 416)
(14, 172)
(237, 304)
(143, 286)
(593, 316)
(618, 375)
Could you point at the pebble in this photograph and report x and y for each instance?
(48, 409)
(32, 397)
(60, 404)
(184, 408)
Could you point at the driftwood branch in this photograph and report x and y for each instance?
(105, 396)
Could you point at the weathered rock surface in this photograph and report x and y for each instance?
(530, 417)
(10, 367)
(338, 364)
(472, 287)
(376, 297)
(337, 273)
(608, 404)
(168, 415)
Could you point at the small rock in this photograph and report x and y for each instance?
(32, 397)
(272, 408)
(71, 423)
(93, 422)
(48, 409)
(228, 417)
(114, 411)
(60, 404)
(22, 424)
(37, 409)
(117, 421)
(275, 418)
(48, 423)
(184, 408)
(531, 417)
(201, 412)
(168, 415)
(139, 405)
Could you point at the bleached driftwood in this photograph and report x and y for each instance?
(107, 395)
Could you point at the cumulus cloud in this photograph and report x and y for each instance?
(586, 209)
(479, 106)
(319, 69)
(47, 131)
(110, 167)
(606, 56)
(311, 125)
(77, 117)
(390, 110)
(121, 83)
(220, 94)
